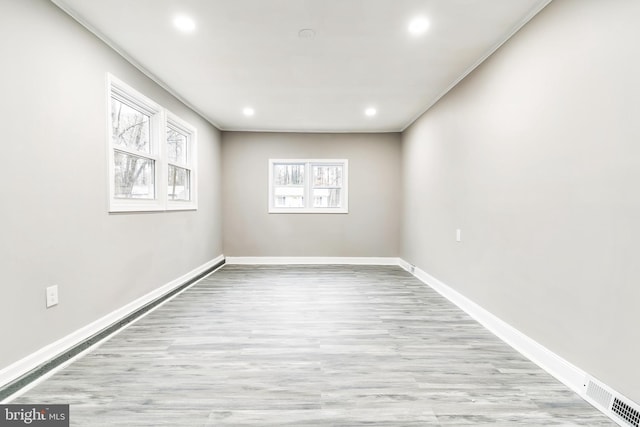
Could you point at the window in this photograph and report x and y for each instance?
(148, 147)
(308, 186)
(181, 149)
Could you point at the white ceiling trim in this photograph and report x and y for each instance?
(82, 21)
(147, 72)
(534, 11)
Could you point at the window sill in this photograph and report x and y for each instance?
(308, 211)
(120, 207)
(185, 206)
(135, 206)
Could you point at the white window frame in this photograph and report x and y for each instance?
(308, 186)
(160, 118)
(191, 164)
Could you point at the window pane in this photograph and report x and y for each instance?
(288, 174)
(177, 146)
(130, 128)
(327, 176)
(179, 183)
(134, 177)
(289, 197)
(326, 198)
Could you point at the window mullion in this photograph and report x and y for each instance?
(308, 202)
(158, 138)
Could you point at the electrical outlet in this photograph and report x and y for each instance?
(52, 296)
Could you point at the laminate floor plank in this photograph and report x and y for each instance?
(310, 346)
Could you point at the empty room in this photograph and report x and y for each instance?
(320, 213)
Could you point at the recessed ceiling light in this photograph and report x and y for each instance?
(370, 111)
(418, 25)
(248, 111)
(184, 23)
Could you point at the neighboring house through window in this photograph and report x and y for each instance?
(308, 186)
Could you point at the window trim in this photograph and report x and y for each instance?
(191, 164)
(160, 118)
(308, 186)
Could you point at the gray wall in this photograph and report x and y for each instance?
(56, 229)
(536, 157)
(372, 226)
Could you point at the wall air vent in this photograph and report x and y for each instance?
(617, 407)
(599, 394)
(626, 412)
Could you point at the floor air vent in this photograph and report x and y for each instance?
(626, 412)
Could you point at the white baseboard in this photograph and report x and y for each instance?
(49, 352)
(270, 260)
(568, 374)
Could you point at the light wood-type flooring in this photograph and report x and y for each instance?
(310, 346)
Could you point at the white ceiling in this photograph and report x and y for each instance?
(248, 53)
